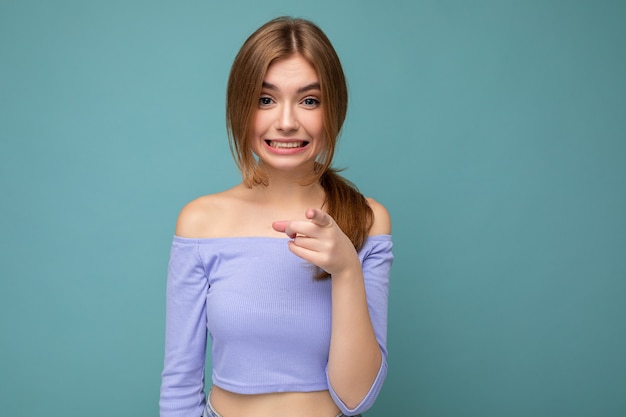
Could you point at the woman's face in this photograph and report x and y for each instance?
(288, 132)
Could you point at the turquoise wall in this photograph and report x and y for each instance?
(494, 131)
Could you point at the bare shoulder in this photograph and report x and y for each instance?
(197, 219)
(194, 218)
(382, 220)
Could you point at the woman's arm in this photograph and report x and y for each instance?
(357, 357)
(182, 385)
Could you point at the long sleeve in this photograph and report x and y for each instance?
(376, 260)
(182, 386)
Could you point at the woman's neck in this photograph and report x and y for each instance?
(290, 188)
(280, 191)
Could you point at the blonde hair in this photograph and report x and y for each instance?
(278, 39)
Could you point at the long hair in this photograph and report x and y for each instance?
(277, 39)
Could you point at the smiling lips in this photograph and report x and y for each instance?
(292, 144)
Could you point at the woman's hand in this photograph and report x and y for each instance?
(321, 242)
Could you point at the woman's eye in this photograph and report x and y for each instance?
(311, 102)
(265, 101)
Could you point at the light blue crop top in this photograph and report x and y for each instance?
(268, 319)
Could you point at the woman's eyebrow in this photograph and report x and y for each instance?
(308, 87)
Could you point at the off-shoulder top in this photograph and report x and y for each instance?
(268, 319)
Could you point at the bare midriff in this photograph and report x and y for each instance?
(276, 404)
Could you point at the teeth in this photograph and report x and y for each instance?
(277, 144)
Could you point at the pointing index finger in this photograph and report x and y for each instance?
(283, 227)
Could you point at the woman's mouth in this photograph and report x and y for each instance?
(286, 144)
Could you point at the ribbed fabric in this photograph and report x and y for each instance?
(268, 319)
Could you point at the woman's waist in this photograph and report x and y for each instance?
(274, 404)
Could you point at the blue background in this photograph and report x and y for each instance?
(494, 132)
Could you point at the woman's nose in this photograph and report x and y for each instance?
(287, 119)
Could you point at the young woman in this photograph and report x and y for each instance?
(288, 271)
